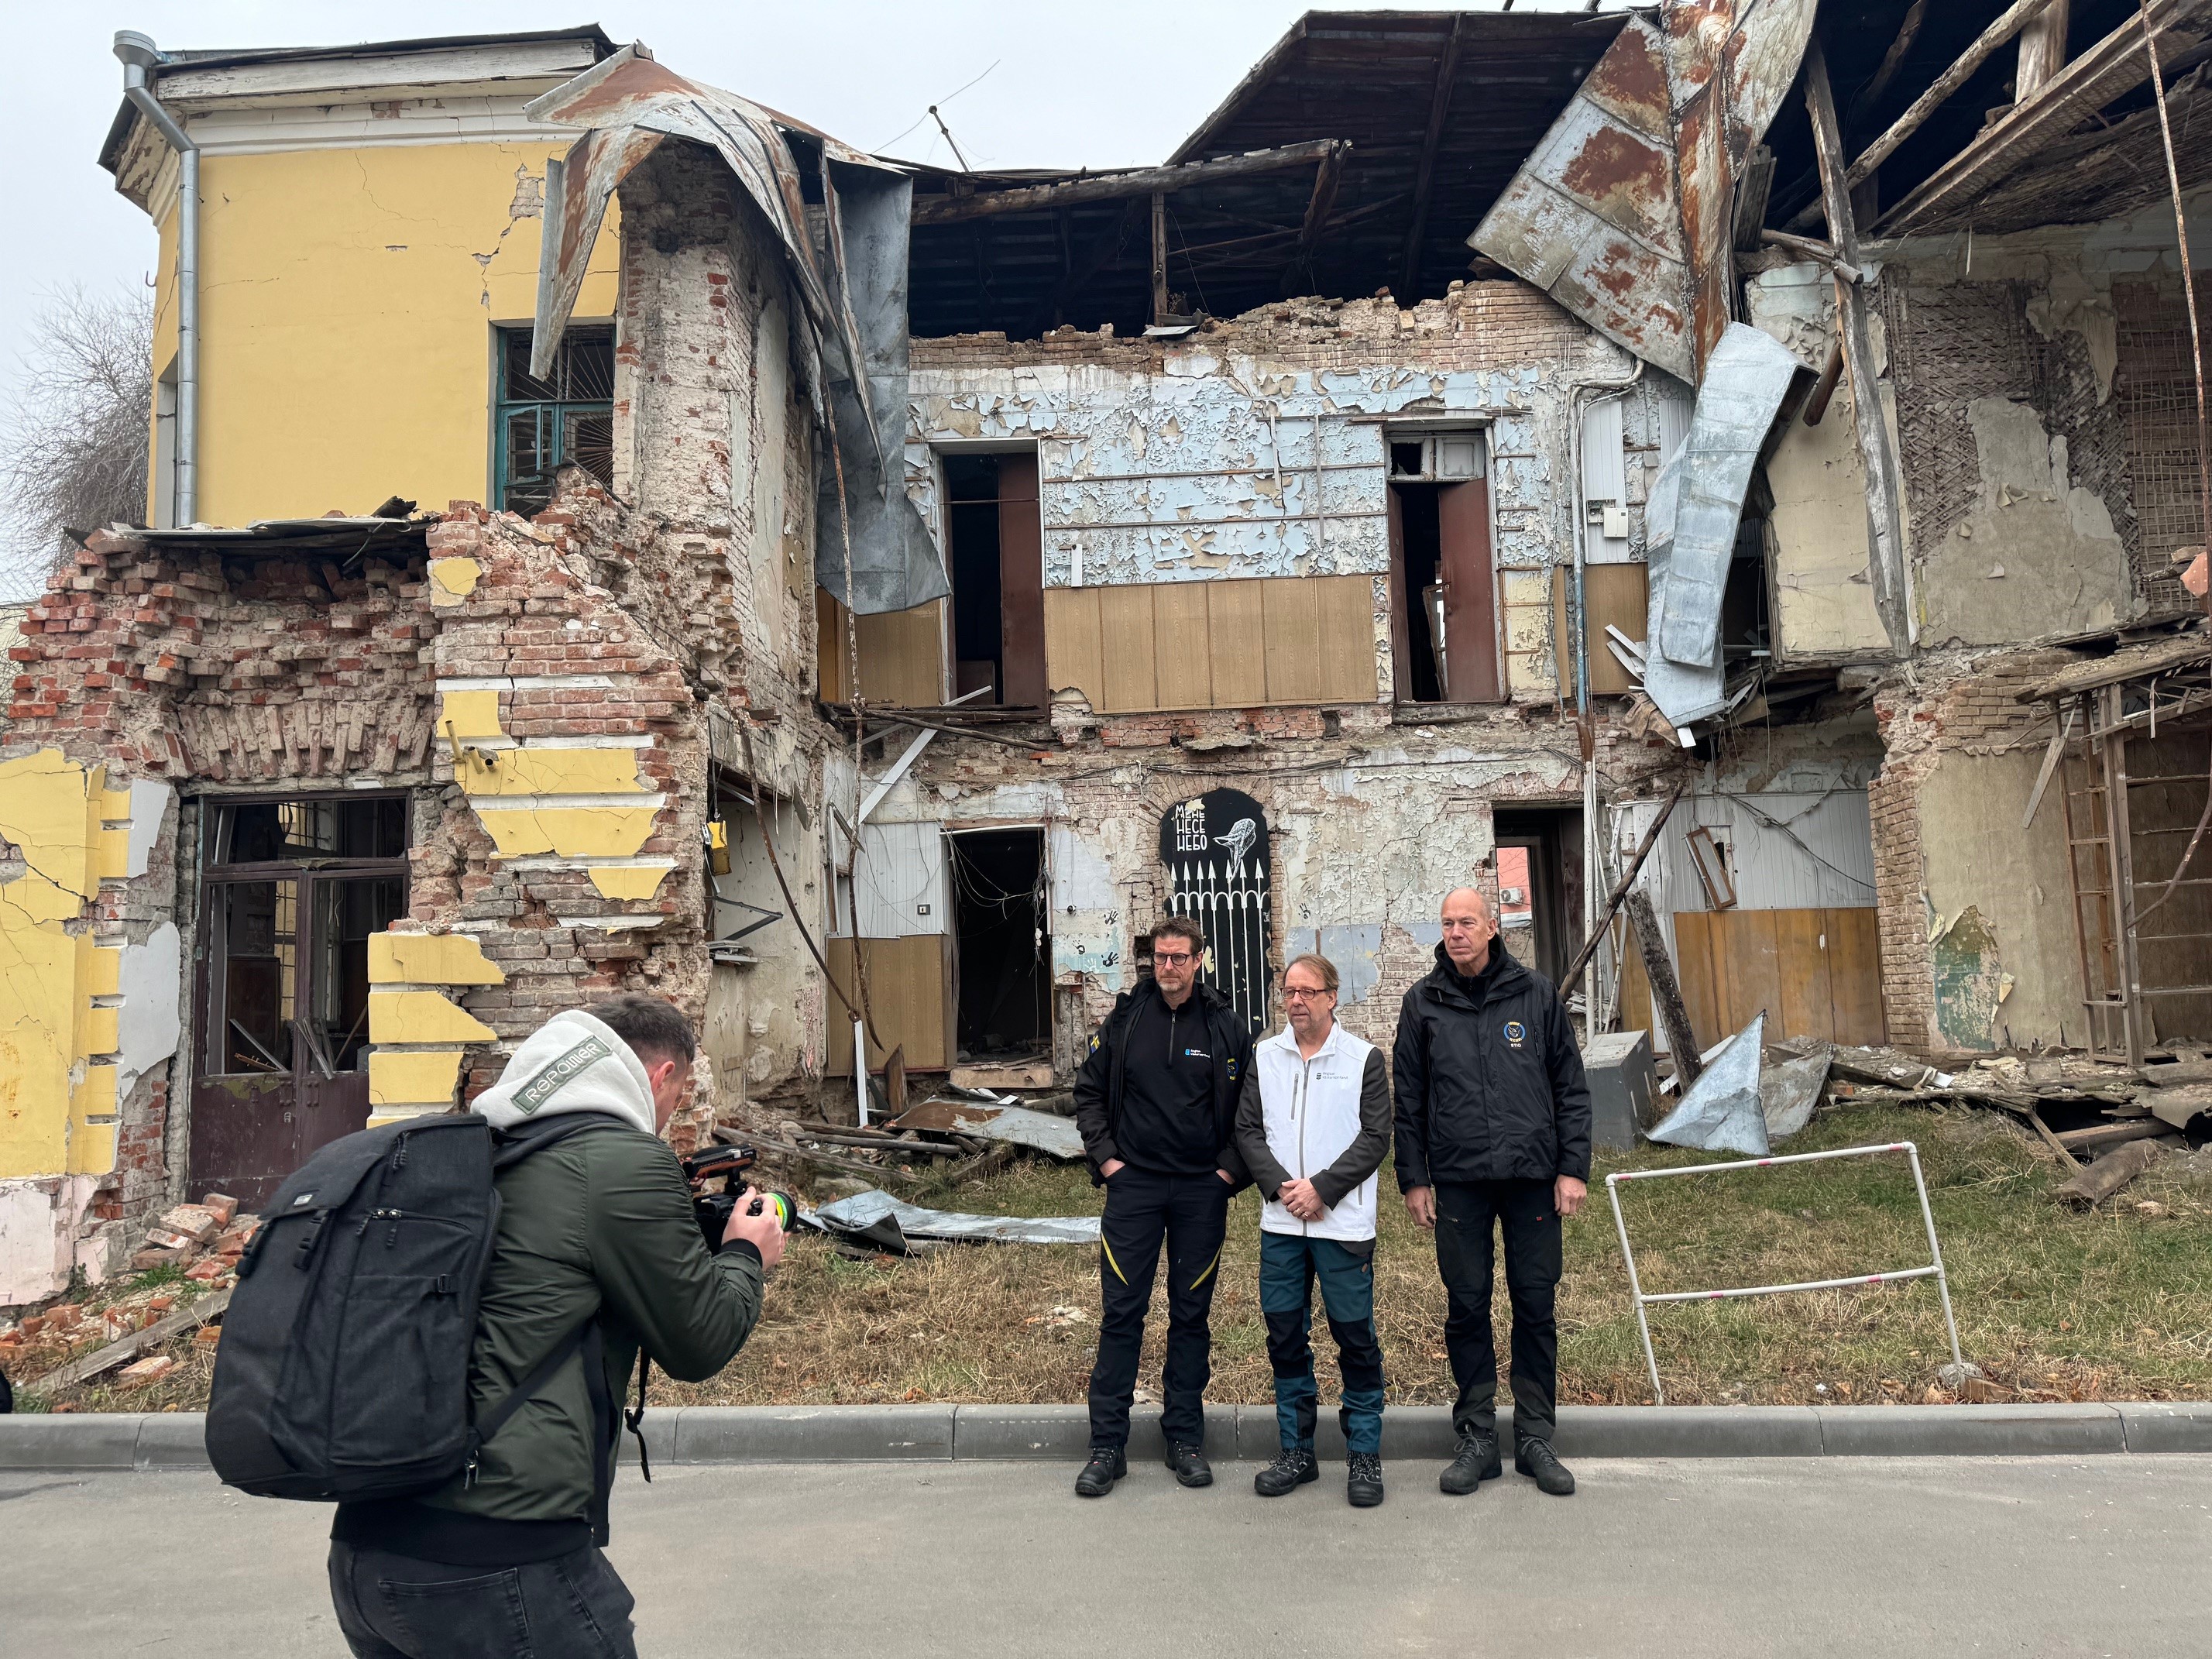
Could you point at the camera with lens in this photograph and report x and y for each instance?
(713, 1209)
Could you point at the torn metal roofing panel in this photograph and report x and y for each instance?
(1624, 212)
(852, 296)
(1722, 1111)
(1693, 514)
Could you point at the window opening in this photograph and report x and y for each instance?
(1000, 911)
(997, 546)
(566, 419)
(1539, 856)
(293, 892)
(743, 895)
(1443, 589)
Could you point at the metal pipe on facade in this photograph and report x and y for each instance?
(139, 54)
(1594, 882)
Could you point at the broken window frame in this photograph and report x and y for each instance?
(556, 419)
(1022, 633)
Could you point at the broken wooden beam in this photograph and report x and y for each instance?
(1117, 186)
(2115, 65)
(2102, 1137)
(128, 1348)
(2015, 18)
(2094, 1185)
(1567, 980)
(1886, 563)
(1659, 969)
(1440, 94)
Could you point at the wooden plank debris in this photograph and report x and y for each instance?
(127, 1348)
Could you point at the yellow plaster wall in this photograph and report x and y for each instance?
(407, 1080)
(57, 1106)
(346, 310)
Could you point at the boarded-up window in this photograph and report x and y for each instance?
(1236, 644)
(996, 541)
(902, 654)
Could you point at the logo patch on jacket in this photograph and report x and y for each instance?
(1516, 1032)
(1232, 1070)
(1196, 1054)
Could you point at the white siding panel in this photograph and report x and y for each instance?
(899, 887)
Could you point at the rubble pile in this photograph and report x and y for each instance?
(205, 1239)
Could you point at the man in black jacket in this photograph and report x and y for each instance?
(1155, 1102)
(1493, 1130)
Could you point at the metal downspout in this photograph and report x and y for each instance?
(1594, 882)
(139, 54)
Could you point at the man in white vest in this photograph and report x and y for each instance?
(1313, 1124)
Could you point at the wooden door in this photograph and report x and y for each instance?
(1463, 565)
(245, 1097)
(1401, 668)
(1021, 585)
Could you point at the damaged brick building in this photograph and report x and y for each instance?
(901, 587)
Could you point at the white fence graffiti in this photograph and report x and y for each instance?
(1228, 899)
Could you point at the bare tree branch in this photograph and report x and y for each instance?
(77, 430)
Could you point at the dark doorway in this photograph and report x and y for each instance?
(292, 891)
(997, 539)
(1005, 956)
(1443, 590)
(1548, 843)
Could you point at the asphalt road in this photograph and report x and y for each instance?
(1844, 1556)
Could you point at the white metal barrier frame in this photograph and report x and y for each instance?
(1934, 1270)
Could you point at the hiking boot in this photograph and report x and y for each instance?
(1363, 1482)
(1291, 1469)
(1474, 1463)
(1536, 1460)
(1108, 1464)
(1190, 1464)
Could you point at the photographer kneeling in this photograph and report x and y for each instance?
(596, 1233)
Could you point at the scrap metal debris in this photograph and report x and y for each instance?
(1055, 1137)
(1722, 1111)
(878, 1218)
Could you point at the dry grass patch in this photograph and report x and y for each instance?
(2052, 1303)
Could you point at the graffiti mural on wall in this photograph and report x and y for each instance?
(1215, 848)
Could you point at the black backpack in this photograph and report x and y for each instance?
(342, 1372)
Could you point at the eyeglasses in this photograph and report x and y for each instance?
(1299, 994)
(1176, 959)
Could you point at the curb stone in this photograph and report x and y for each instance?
(90, 1442)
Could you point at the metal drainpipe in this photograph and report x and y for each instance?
(139, 54)
(1594, 883)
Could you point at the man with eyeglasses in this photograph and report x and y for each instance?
(1493, 1117)
(1155, 1102)
(1313, 1125)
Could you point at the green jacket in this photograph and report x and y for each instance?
(601, 1223)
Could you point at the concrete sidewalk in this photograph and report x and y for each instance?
(776, 1434)
(1702, 1560)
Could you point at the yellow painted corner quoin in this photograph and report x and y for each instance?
(52, 1097)
(429, 959)
(422, 1017)
(414, 1078)
(608, 831)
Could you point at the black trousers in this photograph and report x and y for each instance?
(1190, 1214)
(394, 1607)
(1523, 1212)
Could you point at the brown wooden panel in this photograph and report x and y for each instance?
(909, 995)
(1695, 970)
(1801, 1008)
(1125, 626)
(1075, 659)
(1347, 637)
(1181, 644)
(1235, 642)
(1855, 975)
(1470, 591)
(1635, 989)
(1747, 960)
(902, 657)
(1021, 584)
(1620, 594)
(1291, 612)
(830, 647)
(1401, 673)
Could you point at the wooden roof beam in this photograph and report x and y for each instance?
(2115, 65)
(1425, 173)
(1115, 186)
